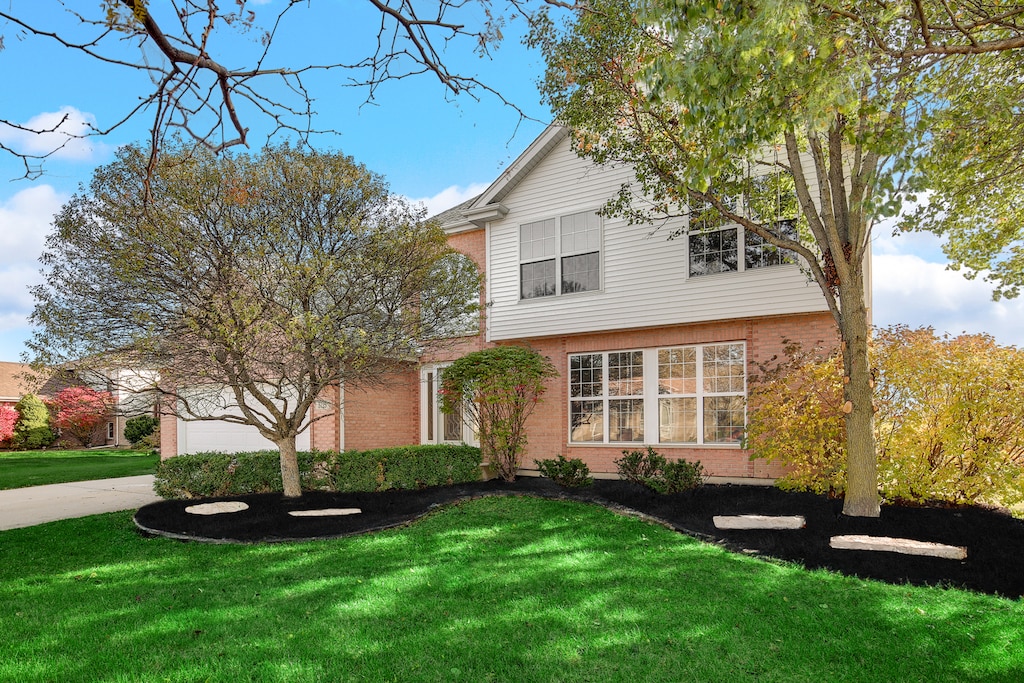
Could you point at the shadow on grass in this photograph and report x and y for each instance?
(517, 589)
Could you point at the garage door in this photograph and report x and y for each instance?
(225, 437)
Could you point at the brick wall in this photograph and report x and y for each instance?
(764, 337)
(168, 435)
(324, 434)
(384, 415)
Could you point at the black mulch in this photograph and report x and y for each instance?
(994, 540)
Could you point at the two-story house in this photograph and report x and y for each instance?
(654, 338)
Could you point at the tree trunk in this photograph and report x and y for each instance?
(858, 390)
(289, 467)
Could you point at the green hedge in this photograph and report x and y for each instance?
(407, 467)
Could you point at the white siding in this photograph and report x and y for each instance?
(645, 275)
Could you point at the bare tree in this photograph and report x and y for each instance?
(183, 47)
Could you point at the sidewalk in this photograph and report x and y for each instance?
(39, 504)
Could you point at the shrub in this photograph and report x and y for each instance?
(498, 388)
(795, 417)
(8, 418)
(639, 466)
(571, 473)
(950, 424)
(653, 470)
(138, 428)
(678, 476)
(949, 420)
(409, 467)
(32, 430)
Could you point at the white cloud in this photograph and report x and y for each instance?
(54, 132)
(912, 286)
(25, 221)
(449, 197)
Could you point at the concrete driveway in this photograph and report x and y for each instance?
(39, 504)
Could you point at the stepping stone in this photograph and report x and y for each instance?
(326, 512)
(759, 522)
(217, 508)
(905, 546)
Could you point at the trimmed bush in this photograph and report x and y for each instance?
(138, 428)
(32, 430)
(651, 469)
(408, 467)
(570, 473)
(639, 466)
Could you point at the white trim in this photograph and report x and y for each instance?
(468, 432)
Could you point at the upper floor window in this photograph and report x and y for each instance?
(560, 255)
(717, 246)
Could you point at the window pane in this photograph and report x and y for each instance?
(453, 424)
(586, 420)
(626, 373)
(586, 375)
(713, 252)
(723, 368)
(581, 273)
(723, 419)
(581, 232)
(430, 407)
(626, 420)
(760, 254)
(678, 420)
(537, 279)
(677, 370)
(537, 240)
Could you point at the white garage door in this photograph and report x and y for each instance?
(208, 436)
(214, 436)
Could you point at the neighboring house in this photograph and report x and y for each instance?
(654, 338)
(16, 380)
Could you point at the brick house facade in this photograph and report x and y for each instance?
(654, 338)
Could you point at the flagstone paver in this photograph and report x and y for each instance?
(218, 508)
(905, 546)
(326, 512)
(759, 522)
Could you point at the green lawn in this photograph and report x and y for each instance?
(32, 468)
(498, 589)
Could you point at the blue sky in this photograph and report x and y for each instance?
(430, 147)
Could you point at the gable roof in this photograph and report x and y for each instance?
(13, 383)
(474, 213)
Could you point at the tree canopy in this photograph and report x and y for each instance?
(710, 101)
(248, 282)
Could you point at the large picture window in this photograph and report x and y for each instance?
(698, 398)
(560, 256)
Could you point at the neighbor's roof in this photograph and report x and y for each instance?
(13, 384)
(455, 213)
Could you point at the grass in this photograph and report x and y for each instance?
(498, 589)
(32, 468)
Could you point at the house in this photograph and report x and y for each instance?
(15, 382)
(654, 338)
(18, 379)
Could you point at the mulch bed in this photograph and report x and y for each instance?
(994, 540)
